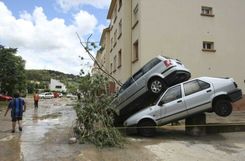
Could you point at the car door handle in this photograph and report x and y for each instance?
(208, 91)
(179, 101)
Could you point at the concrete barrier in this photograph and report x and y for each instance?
(195, 125)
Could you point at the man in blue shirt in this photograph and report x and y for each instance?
(17, 106)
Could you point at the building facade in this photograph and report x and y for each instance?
(56, 85)
(206, 35)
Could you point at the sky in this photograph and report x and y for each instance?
(44, 31)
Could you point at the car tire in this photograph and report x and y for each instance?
(156, 86)
(146, 128)
(222, 108)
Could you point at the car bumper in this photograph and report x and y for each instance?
(235, 95)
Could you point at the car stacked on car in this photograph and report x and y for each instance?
(145, 86)
(160, 93)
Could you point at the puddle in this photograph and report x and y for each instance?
(8, 138)
(46, 131)
(48, 116)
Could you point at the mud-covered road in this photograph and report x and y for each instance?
(46, 132)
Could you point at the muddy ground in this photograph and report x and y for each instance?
(46, 132)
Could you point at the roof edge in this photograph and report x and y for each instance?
(109, 15)
(103, 33)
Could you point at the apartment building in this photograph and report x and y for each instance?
(206, 35)
(56, 85)
(103, 55)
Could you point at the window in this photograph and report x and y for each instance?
(111, 43)
(151, 64)
(111, 68)
(208, 46)
(172, 94)
(126, 84)
(136, 8)
(58, 87)
(135, 16)
(115, 13)
(119, 58)
(138, 74)
(114, 63)
(207, 11)
(195, 86)
(191, 87)
(120, 29)
(203, 85)
(120, 5)
(135, 51)
(115, 38)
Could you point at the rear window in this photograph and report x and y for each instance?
(150, 64)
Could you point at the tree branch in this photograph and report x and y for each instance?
(95, 61)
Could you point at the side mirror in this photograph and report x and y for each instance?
(161, 103)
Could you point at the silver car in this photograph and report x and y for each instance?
(185, 99)
(152, 79)
(46, 95)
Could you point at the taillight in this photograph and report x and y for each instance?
(167, 63)
(235, 84)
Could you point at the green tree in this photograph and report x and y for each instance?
(12, 71)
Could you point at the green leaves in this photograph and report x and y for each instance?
(12, 71)
(95, 117)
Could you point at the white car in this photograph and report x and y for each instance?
(72, 96)
(46, 95)
(149, 82)
(185, 99)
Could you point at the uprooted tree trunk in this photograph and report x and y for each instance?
(94, 114)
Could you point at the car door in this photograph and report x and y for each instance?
(198, 95)
(172, 105)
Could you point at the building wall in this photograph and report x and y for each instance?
(54, 83)
(176, 28)
(136, 36)
(122, 41)
(105, 56)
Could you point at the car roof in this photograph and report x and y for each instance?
(198, 78)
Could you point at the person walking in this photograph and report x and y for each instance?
(36, 99)
(17, 106)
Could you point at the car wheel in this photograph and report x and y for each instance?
(156, 85)
(146, 128)
(223, 108)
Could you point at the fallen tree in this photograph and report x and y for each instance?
(95, 116)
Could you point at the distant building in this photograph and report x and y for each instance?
(56, 85)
